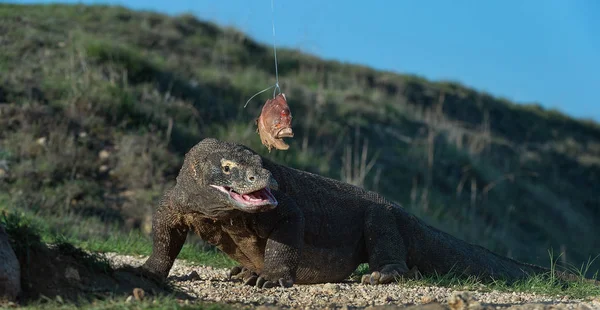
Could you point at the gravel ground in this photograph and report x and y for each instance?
(211, 285)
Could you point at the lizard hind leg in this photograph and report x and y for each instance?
(385, 246)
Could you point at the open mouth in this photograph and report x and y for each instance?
(285, 133)
(253, 200)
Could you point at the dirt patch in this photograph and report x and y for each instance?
(211, 285)
(63, 272)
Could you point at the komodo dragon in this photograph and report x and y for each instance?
(287, 226)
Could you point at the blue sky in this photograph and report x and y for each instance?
(544, 51)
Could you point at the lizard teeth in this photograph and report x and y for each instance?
(252, 198)
(257, 198)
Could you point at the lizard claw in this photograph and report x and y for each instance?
(233, 272)
(249, 277)
(244, 274)
(374, 278)
(264, 283)
(390, 273)
(251, 280)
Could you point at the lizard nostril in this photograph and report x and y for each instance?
(251, 178)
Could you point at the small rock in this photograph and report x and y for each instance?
(331, 288)
(72, 274)
(462, 301)
(193, 276)
(104, 155)
(516, 298)
(138, 294)
(103, 168)
(426, 299)
(10, 271)
(41, 141)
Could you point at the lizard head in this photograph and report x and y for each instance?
(232, 176)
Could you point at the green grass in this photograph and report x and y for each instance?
(27, 237)
(539, 284)
(33, 230)
(137, 244)
(545, 284)
(28, 240)
(162, 302)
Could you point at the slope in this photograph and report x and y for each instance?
(98, 104)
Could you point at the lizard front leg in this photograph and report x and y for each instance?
(168, 237)
(284, 229)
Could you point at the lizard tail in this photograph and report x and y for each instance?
(437, 252)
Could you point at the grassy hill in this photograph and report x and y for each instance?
(99, 104)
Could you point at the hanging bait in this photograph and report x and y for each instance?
(275, 123)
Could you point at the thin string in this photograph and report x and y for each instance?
(274, 49)
(260, 92)
(277, 89)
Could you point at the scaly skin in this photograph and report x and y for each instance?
(319, 230)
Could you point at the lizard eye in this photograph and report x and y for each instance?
(227, 165)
